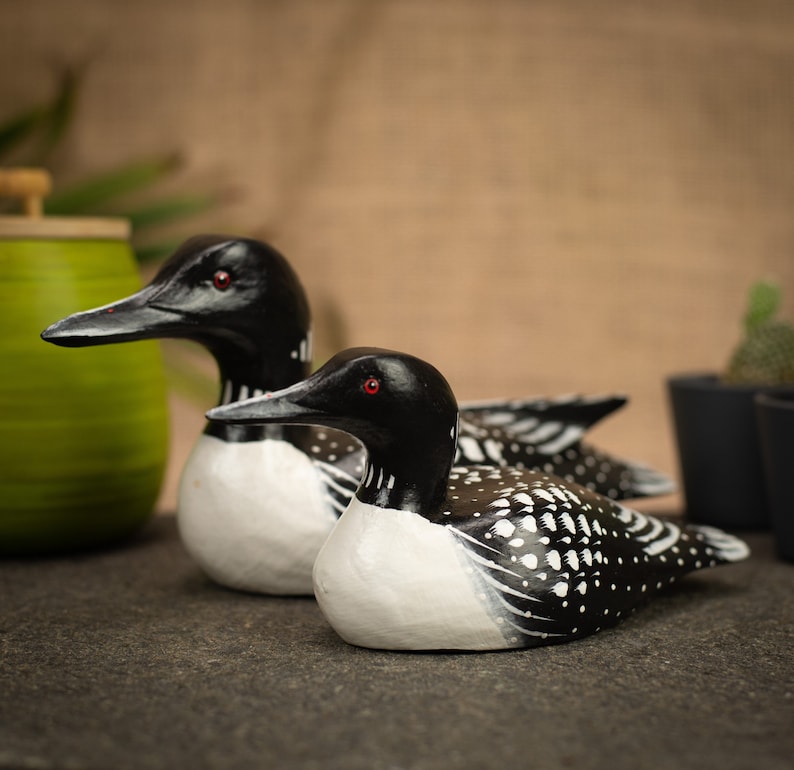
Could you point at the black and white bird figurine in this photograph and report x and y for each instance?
(483, 557)
(256, 503)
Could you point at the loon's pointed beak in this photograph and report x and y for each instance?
(132, 318)
(281, 406)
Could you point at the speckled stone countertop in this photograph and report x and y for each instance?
(130, 658)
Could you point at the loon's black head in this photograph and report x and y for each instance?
(401, 408)
(236, 296)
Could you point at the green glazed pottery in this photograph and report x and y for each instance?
(83, 433)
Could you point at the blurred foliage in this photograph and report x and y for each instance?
(32, 137)
(765, 356)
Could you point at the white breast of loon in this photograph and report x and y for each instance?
(254, 514)
(391, 579)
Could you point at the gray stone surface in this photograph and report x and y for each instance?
(130, 658)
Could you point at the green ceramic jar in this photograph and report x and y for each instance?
(83, 432)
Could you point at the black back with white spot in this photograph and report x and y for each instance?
(557, 562)
(545, 435)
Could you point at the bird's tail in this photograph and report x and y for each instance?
(647, 482)
(727, 548)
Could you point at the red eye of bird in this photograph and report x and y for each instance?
(221, 280)
(371, 386)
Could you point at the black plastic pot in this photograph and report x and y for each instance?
(775, 412)
(719, 452)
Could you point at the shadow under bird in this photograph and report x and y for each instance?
(429, 555)
(256, 502)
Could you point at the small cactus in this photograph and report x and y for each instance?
(766, 354)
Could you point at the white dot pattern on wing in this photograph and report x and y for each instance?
(545, 435)
(557, 561)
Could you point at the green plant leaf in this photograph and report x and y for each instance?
(155, 252)
(169, 210)
(50, 120)
(19, 128)
(763, 304)
(97, 191)
(58, 115)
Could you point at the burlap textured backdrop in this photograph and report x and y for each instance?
(539, 197)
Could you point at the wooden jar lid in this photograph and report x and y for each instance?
(31, 186)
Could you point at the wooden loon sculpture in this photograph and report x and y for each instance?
(482, 557)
